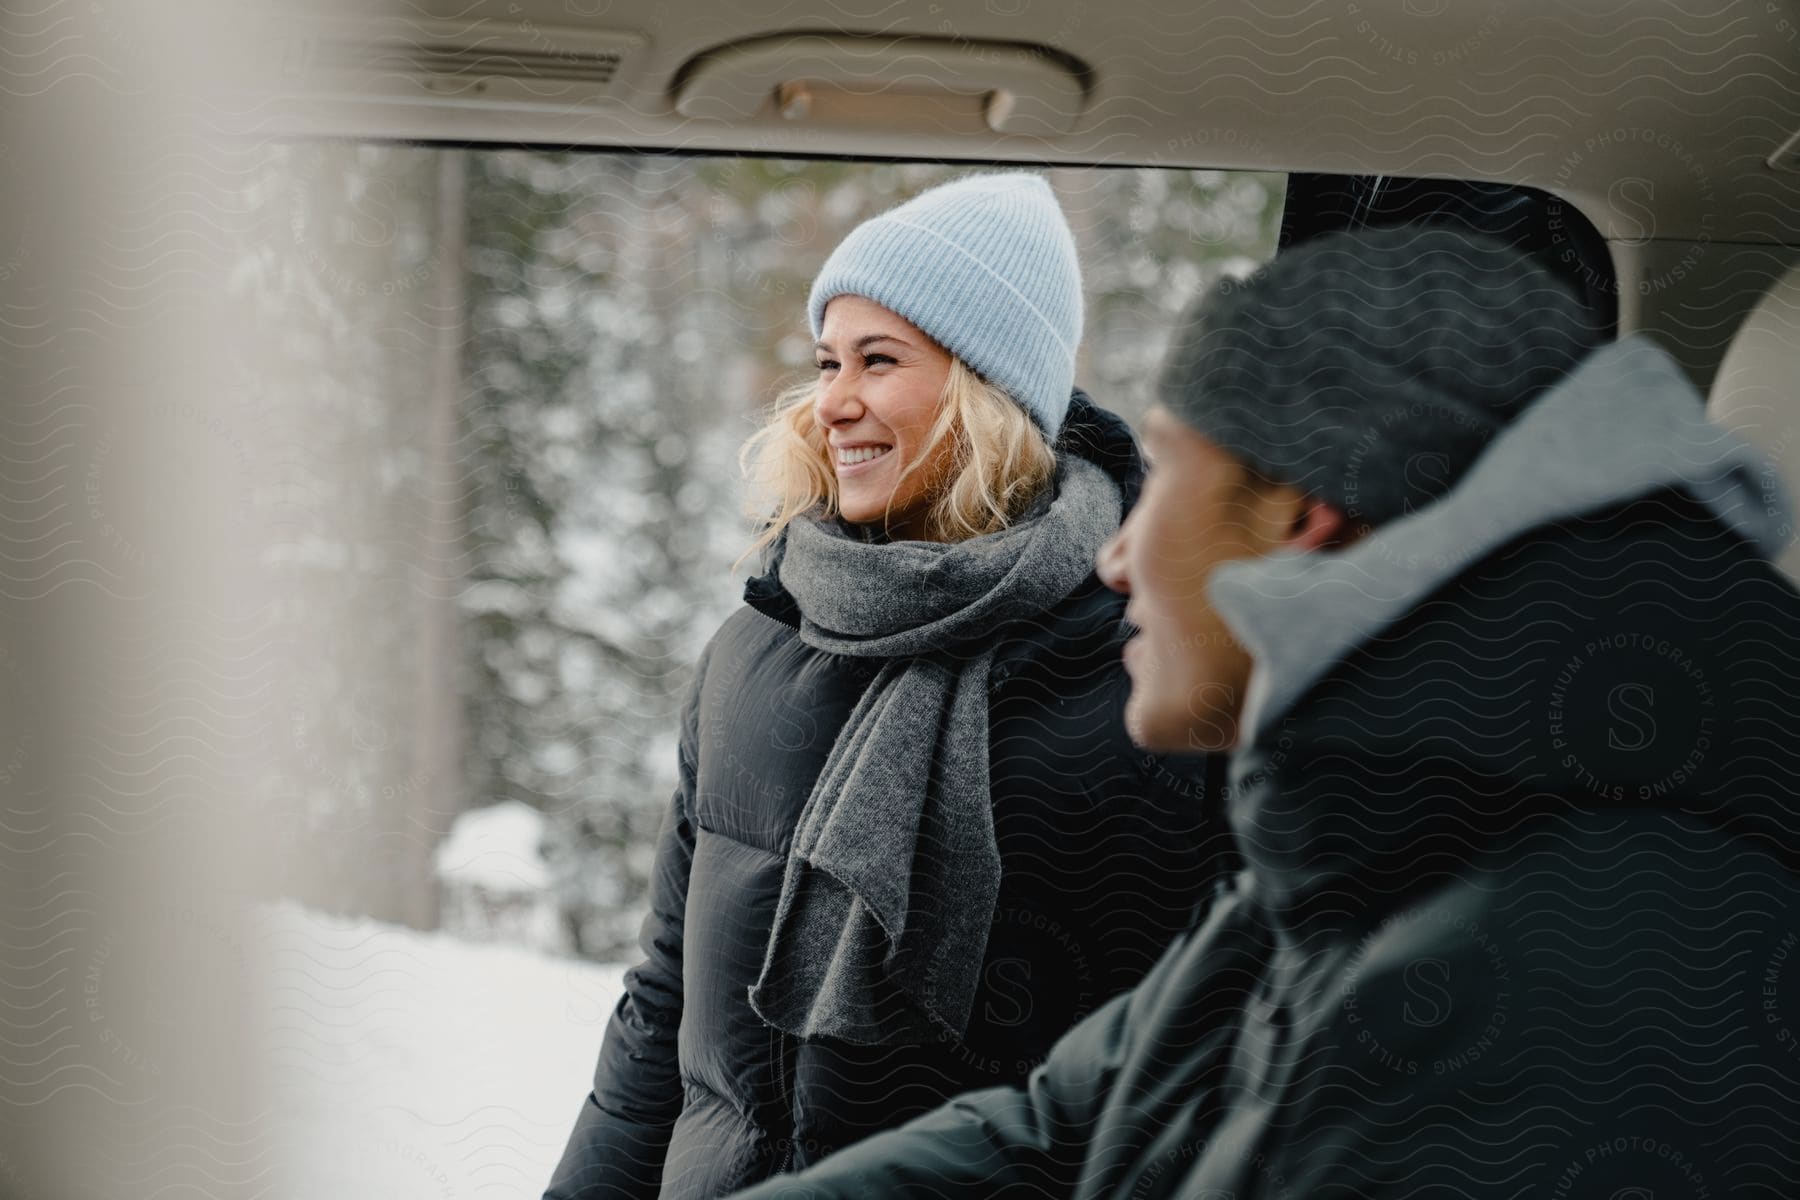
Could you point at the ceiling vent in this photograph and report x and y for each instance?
(503, 63)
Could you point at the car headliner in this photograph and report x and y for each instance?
(1657, 119)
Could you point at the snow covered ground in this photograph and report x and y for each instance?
(407, 1065)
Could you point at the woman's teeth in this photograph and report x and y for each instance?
(862, 454)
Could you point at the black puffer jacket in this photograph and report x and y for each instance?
(1106, 854)
(1520, 813)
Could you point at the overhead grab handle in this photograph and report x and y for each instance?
(1024, 89)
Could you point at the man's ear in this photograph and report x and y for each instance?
(1318, 525)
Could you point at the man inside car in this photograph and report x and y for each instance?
(1487, 620)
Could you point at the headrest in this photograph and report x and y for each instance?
(1757, 390)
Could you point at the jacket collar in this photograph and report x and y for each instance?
(1627, 423)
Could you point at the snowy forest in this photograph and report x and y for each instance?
(539, 368)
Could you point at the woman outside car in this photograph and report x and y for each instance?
(911, 842)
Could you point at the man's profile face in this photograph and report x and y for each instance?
(1200, 507)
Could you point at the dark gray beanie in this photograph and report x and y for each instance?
(1370, 368)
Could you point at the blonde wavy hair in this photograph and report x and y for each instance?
(999, 463)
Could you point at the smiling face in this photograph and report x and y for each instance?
(1199, 508)
(881, 385)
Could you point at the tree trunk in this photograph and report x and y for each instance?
(430, 794)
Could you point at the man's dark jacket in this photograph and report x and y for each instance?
(1520, 814)
(1106, 853)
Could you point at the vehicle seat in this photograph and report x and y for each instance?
(1757, 391)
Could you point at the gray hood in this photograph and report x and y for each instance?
(1624, 425)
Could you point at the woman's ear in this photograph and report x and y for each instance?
(1319, 525)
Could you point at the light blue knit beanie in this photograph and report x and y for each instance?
(985, 266)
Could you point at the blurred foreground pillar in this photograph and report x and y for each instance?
(143, 690)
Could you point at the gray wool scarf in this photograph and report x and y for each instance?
(893, 874)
